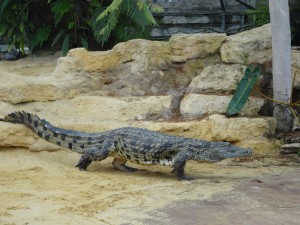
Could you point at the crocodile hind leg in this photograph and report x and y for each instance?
(84, 162)
(179, 164)
(87, 158)
(119, 164)
(95, 154)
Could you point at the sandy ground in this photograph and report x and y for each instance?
(45, 188)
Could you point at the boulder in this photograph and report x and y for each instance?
(98, 108)
(142, 67)
(191, 46)
(252, 46)
(219, 78)
(16, 135)
(136, 67)
(196, 105)
(125, 52)
(18, 89)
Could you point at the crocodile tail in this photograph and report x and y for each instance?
(22, 117)
(47, 131)
(28, 119)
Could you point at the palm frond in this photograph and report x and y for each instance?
(42, 34)
(58, 37)
(139, 12)
(60, 8)
(107, 20)
(135, 14)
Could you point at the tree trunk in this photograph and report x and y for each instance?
(281, 53)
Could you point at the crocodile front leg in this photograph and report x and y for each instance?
(179, 164)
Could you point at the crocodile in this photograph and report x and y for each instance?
(132, 144)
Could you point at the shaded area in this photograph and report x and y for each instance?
(273, 199)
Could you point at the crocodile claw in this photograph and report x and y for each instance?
(83, 163)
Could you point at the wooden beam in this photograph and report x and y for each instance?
(245, 4)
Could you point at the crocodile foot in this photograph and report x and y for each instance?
(185, 178)
(83, 163)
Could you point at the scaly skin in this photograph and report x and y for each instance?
(128, 143)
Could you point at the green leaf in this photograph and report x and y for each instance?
(58, 37)
(84, 43)
(125, 19)
(3, 29)
(41, 35)
(139, 12)
(71, 25)
(21, 27)
(60, 8)
(22, 46)
(65, 45)
(243, 91)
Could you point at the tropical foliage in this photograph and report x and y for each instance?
(17, 24)
(125, 19)
(71, 23)
(72, 19)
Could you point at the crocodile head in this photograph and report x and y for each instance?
(224, 150)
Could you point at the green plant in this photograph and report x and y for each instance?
(13, 18)
(73, 19)
(17, 25)
(71, 23)
(123, 19)
(243, 90)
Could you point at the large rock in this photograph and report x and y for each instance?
(187, 46)
(253, 46)
(16, 135)
(18, 89)
(142, 67)
(219, 78)
(98, 108)
(195, 105)
(136, 67)
(131, 51)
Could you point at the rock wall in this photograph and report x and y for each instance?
(180, 87)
